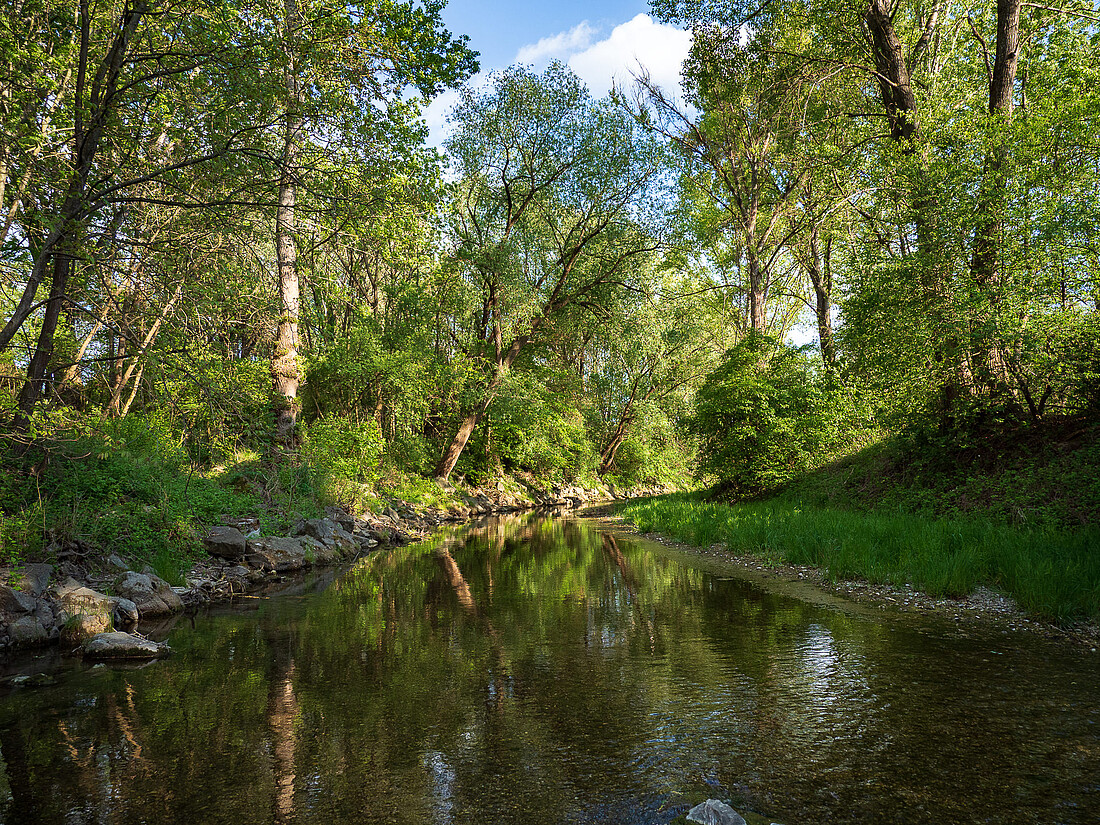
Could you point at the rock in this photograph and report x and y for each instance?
(365, 539)
(117, 563)
(283, 555)
(45, 614)
(328, 533)
(35, 579)
(344, 542)
(27, 632)
(226, 542)
(713, 812)
(75, 602)
(315, 552)
(82, 627)
(150, 594)
(124, 612)
(16, 602)
(340, 517)
(119, 645)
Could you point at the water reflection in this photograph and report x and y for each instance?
(545, 671)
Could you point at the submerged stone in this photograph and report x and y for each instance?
(120, 645)
(714, 812)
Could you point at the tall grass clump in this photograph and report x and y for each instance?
(1049, 573)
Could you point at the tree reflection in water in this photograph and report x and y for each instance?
(546, 670)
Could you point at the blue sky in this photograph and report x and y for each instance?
(598, 40)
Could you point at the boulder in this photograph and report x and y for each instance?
(117, 563)
(344, 542)
(315, 552)
(75, 601)
(16, 602)
(151, 595)
(341, 517)
(365, 538)
(82, 627)
(713, 812)
(226, 542)
(124, 612)
(119, 645)
(337, 540)
(283, 555)
(27, 632)
(34, 579)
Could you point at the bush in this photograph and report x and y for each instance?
(764, 416)
(343, 455)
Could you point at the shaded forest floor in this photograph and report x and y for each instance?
(1038, 477)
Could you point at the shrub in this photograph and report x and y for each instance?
(343, 455)
(763, 417)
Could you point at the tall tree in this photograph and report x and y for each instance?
(358, 107)
(545, 223)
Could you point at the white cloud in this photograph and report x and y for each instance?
(640, 42)
(560, 46)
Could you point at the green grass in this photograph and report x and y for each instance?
(1049, 572)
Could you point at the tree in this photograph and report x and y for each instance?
(396, 46)
(655, 345)
(546, 218)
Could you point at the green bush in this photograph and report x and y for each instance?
(763, 417)
(343, 455)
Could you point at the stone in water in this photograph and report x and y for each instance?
(713, 812)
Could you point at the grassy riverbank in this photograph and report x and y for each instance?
(1049, 572)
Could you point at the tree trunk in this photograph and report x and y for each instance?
(821, 279)
(284, 362)
(757, 318)
(451, 455)
(59, 245)
(607, 455)
(36, 369)
(458, 443)
(992, 195)
(892, 72)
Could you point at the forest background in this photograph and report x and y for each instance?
(237, 280)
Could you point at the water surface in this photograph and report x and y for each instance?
(546, 671)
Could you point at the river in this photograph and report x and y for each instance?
(549, 671)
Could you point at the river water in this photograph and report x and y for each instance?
(548, 671)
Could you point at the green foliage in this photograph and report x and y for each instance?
(656, 452)
(532, 426)
(763, 417)
(124, 486)
(344, 455)
(1048, 478)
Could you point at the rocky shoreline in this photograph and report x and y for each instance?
(91, 602)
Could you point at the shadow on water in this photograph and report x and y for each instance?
(545, 670)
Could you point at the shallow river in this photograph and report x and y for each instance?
(545, 671)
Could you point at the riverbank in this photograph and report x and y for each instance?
(880, 563)
(82, 591)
